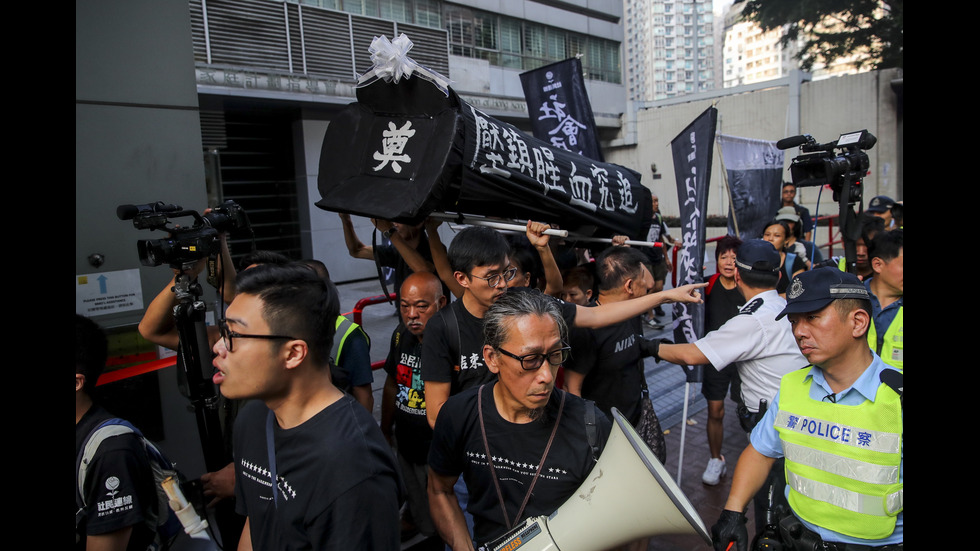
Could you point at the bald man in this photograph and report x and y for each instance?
(403, 405)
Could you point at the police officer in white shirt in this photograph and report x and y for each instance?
(762, 347)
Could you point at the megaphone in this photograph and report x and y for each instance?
(628, 496)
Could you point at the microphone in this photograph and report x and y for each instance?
(128, 212)
(795, 141)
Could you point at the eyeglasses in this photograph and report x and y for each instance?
(230, 335)
(495, 279)
(532, 362)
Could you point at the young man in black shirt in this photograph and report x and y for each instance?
(312, 468)
(118, 491)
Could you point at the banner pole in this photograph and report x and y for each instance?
(514, 227)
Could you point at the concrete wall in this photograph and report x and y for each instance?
(137, 140)
(137, 129)
(826, 109)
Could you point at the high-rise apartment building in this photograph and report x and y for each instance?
(752, 55)
(669, 48)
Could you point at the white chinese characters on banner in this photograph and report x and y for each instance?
(504, 151)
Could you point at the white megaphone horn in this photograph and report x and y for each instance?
(627, 496)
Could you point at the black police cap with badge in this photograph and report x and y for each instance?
(813, 290)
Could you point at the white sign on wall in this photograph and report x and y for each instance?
(108, 292)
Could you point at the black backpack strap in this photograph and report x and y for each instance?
(894, 380)
(591, 429)
(454, 347)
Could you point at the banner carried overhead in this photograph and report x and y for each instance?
(559, 108)
(755, 174)
(692, 153)
(409, 147)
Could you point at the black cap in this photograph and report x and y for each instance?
(813, 290)
(880, 203)
(756, 255)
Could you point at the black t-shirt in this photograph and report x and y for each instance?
(516, 449)
(336, 479)
(610, 358)
(721, 305)
(118, 487)
(453, 352)
(404, 364)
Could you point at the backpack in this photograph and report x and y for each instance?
(160, 518)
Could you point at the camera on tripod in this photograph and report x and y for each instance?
(185, 244)
(821, 165)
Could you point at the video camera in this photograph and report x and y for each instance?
(819, 164)
(184, 245)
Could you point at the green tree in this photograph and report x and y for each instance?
(833, 29)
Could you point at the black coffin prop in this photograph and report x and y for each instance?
(406, 150)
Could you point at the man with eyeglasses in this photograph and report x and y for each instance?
(312, 469)
(522, 446)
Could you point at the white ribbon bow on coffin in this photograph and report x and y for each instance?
(391, 62)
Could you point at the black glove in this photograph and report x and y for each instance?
(651, 347)
(730, 527)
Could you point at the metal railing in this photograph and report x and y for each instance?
(356, 315)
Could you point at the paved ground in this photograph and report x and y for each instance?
(667, 385)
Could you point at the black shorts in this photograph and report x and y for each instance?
(715, 384)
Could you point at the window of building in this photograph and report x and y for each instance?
(519, 44)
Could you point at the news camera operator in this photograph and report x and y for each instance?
(189, 250)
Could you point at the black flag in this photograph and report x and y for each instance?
(559, 108)
(755, 174)
(692, 150)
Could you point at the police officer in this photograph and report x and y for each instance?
(761, 346)
(886, 335)
(839, 425)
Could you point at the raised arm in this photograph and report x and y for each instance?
(440, 258)
(354, 246)
(158, 324)
(552, 275)
(608, 314)
(415, 261)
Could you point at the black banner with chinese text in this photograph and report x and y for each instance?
(559, 108)
(755, 175)
(692, 151)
